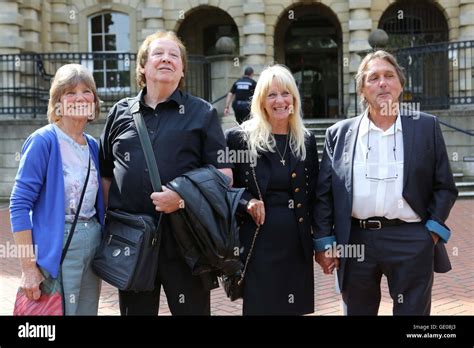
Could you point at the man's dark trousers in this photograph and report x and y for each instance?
(404, 254)
(185, 293)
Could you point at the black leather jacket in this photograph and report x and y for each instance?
(206, 228)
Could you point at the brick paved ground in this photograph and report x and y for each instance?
(453, 292)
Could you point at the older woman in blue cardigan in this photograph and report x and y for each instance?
(53, 168)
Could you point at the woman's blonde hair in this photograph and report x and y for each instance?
(258, 130)
(142, 55)
(67, 77)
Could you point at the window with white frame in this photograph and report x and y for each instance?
(109, 35)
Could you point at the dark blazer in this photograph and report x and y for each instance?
(303, 174)
(428, 184)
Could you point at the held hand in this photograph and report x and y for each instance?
(31, 279)
(167, 201)
(256, 209)
(327, 263)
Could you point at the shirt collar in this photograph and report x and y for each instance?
(364, 125)
(176, 96)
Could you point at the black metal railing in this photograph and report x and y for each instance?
(25, 79)
(438, 75)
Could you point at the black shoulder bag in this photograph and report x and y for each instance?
(128, 255)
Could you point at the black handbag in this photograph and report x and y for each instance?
(234, 284)
(128, 255)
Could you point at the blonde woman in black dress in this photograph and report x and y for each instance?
(279, 277)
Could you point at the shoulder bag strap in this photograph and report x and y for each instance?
(73, 226)
(155, 179)
(256, 231)
(146, 144)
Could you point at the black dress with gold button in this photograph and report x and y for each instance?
(279, 278)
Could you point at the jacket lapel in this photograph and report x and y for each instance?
(408, 131)
(348, 154)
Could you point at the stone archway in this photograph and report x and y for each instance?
(201, 28)
(418, 32)
(308, 39)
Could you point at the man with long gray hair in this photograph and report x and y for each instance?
(385, 183)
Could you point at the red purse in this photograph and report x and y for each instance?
(49, 303)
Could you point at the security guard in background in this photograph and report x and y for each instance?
(242, 90)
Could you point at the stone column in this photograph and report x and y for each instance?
(465, 54)
(30, 32)
(466, 20)
(11, 21)
(11, 42)
(360, 26)
(223, 74)
(60, 26)
(46, 26)
(254, 30)
(152, 14)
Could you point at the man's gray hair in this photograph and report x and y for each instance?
(362, 72)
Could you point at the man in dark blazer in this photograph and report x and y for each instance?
(385, 189)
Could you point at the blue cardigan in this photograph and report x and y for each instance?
(39, 190)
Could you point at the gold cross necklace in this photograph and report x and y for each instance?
(284, 152)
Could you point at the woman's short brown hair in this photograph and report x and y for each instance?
(68, 76)
(142, 56)
(362, 71)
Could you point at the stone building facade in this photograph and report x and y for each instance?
(319, 40)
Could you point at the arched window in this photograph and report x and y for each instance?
(413, 23)
(312, 49)
(109, 35)
(418, 31)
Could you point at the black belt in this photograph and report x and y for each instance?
(376, 223)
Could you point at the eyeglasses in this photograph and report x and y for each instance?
(388, 178)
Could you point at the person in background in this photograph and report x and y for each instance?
(240, 96)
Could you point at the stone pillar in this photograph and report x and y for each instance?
(466, 20)
(46, 26)
(30, 32)
(465, 54)
(152, 14)
(360, 26)
(60, 26)
(224, 72)
(11, 42)
(254, 31)
(11, 21)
